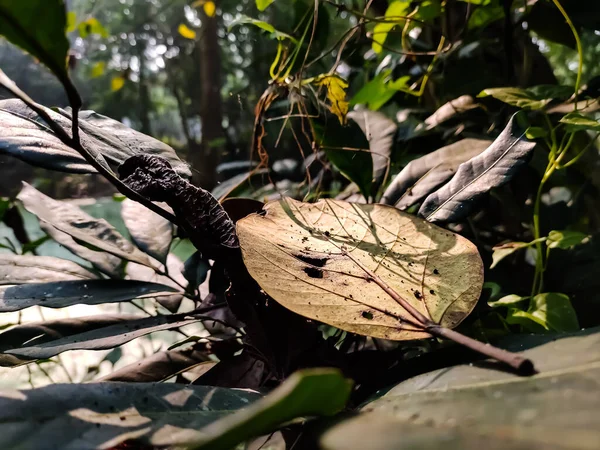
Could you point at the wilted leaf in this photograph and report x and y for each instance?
(38, 27)
(150, 232)
(380, 132)
(296, 254)
(565, 239)
(474, 178)
(61, 294)
(186, 31)
(470, 406)
(117, 82)
(19, 269)
(394, 16)
(103, 415)
(422, 176)
(69, 219)
(24, 135)
(101, 338)
(336, 94)
(575, 122)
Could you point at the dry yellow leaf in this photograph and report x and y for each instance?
(308, 257)
(209, 8)
(186, 32)
(336, 94)
(117, 83)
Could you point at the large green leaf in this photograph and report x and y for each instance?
(24, 135)
(532, 98)
(38, 27)
(19, 269)
(103, 415)
(492, 168)
(61, 294)
(575, 122)
(477, 406)
(394, 16)
(69, 219)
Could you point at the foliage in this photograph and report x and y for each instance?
(446, 110)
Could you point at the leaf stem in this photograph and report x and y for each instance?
(517, 362)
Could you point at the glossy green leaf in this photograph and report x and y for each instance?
(532, 98)
(575, 122)
(379, 90)
(394, 16)
(554, 311)
(507, 301)
(565, 239)
(275, 34)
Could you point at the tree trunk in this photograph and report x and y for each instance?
(205, 157)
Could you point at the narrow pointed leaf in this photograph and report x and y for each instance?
(19, 269)
(295, 251)
(61, 294)
(492, 168)
(422, 176)
(100, 338)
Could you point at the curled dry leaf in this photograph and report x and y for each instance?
(308, 257)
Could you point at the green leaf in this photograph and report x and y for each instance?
(575, 122)
(379, 90)
(38, 27)
(565, 239)
(97, 69)
(348, 150)
(301, 395)
(507, 300)
(528, 321)
(71, 22)
(261, 5)
(92, 26)
(554, 312)
(275, 34)
(536, 132)
(473, 406)
(491, 11)
(394, 16)
(532, 98)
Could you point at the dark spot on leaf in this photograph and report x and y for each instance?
(318, 261)
(418, 295)
(327, 233)
(431, 291)
(437, 272)
(313, 272)
(367, 315)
